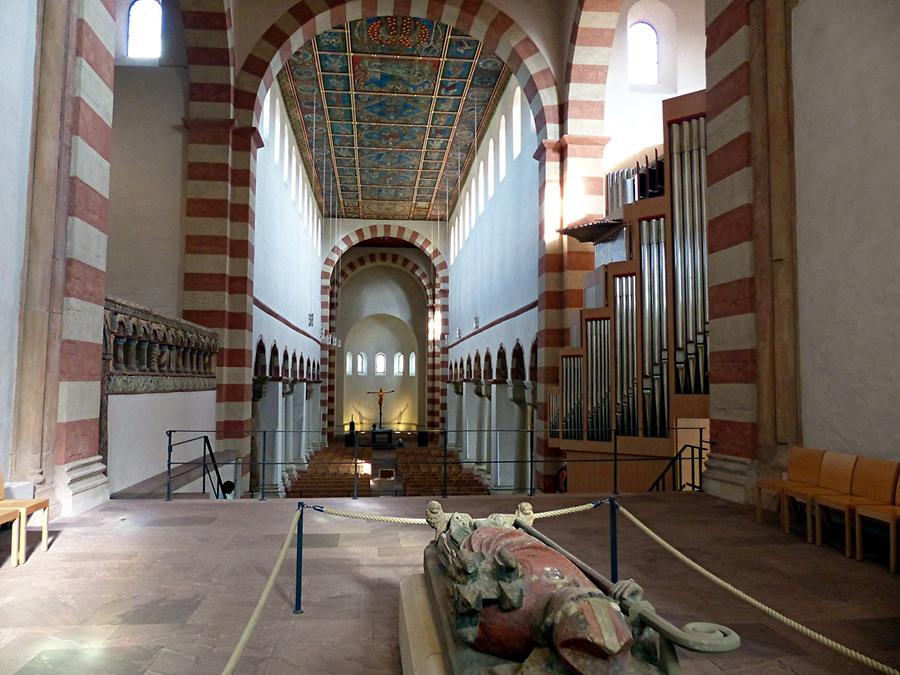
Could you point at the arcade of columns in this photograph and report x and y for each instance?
(61, 368)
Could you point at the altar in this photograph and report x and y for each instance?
(382, 439)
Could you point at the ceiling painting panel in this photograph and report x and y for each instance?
(386, 110)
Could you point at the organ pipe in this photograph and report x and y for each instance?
(653, 313)
(597, 364)
(572, 397)
(688, 162)
(626, 371)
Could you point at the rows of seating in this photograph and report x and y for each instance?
(860, 488)
(421, 471)
(16, 512)
(330, 473)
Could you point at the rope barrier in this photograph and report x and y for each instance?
(374, 517)
(570, 509)
(377, 518)
(257, 611)
(753, 602)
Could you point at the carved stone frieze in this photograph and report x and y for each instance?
(147, 352)
(144, 383)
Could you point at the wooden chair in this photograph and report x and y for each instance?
(835, 478)
(873, 483)
(25, 508)
(12, 516)
(803, 469)
(885, 513)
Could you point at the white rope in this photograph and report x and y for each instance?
(374, 517)
(753, 602)
(257, 611)
(377, 518)
(567, 511)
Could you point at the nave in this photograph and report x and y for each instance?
(470, 251)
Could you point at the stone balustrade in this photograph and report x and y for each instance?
(147, 352)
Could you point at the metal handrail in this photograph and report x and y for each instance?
(220, 488)
(615, 458)
(674, 466)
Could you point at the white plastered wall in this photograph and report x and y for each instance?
(137, 432)
(633, 113)
(847, 145)
(494, 272)
(287, 264)
(147, 169)
(146, 187)
(18, 26)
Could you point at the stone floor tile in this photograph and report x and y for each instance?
(178, 580)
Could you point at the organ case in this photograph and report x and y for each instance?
(642, 361)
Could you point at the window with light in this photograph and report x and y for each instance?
(490, 169)
(145, 29)
(643, 54)
(380, 363)
(502, 147)
(398, 363)
(517, 123)
(412, 364)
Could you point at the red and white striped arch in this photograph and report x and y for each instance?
(587, 68)
(350, 268)
(436, 367)
(478, 18)
(590, 46)
(209, 37)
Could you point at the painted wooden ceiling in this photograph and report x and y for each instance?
(386, 112)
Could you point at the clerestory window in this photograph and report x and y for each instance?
(643, 54)
(144, 29)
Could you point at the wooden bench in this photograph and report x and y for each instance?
(835, 478)
(884, 513)
(26, 507)
(12, 516)
(874, 481)
(803, 468)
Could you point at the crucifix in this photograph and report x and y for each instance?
(380, 393)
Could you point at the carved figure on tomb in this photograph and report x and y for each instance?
(516, 598)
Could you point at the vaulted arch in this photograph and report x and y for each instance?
(590, 46)
(259, 361)
(518, 373)
(400, 260)
(435, 283)
(478, 18)
(502, 373)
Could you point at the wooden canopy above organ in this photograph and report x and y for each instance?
(638, 361)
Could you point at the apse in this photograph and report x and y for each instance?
(382, 318)
(379, 351)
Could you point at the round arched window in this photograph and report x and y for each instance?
(643, 54)
(145, 29)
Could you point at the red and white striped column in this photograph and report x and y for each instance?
(80, 481)
(730, 213)
(551, 335)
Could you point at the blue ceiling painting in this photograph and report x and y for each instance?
(386, 110)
